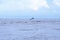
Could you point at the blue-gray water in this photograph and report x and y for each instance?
(26, 29)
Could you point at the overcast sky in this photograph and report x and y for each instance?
(29, 8)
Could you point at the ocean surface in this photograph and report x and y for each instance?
(29, 29)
